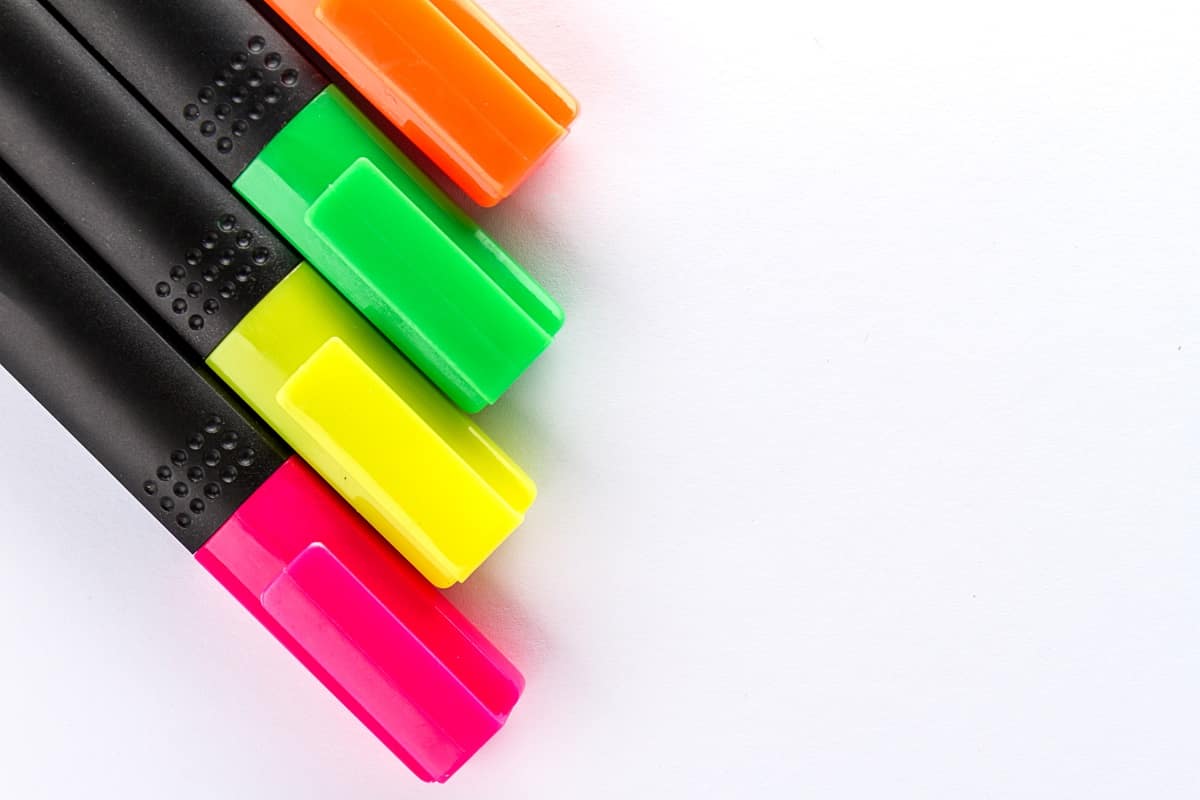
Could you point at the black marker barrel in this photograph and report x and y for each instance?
(178, 442)
(92, 153)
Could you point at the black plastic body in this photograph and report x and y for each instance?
(178, 442)
(215, 70)
(180, 238)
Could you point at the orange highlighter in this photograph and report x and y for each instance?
(449, 78)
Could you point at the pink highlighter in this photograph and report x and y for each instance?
(372, 629)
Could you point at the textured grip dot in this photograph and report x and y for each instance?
(225, 262)
(249, 98)
(208, 463)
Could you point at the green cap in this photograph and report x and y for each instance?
(390, 241)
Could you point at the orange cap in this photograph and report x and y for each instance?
(449, 78)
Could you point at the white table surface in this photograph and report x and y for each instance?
(869, 459)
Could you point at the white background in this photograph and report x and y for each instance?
(870, 457)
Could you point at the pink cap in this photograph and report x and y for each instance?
(384, 641)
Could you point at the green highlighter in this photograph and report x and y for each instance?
(416, 266)
(299, 151)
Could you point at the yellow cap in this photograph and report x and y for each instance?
(422, 472)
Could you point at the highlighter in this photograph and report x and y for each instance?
(298, 151)
(418, 469)
(397, 654)
(449, 78)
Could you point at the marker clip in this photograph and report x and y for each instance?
(428, 284)
(403, 472)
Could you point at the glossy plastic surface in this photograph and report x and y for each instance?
(415, 265)
(389, 646)
(449, 78)
(422, 472)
